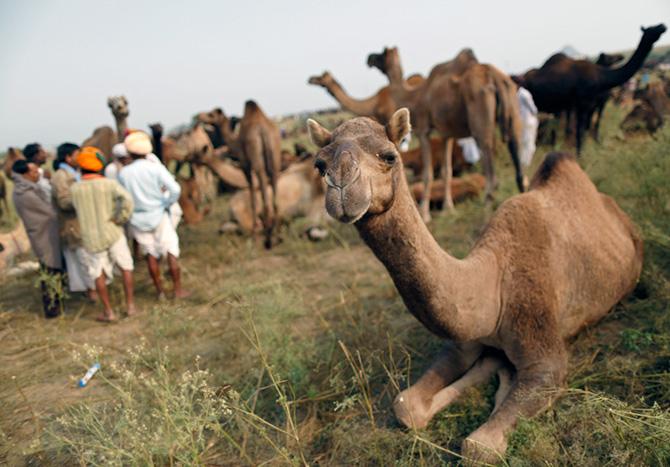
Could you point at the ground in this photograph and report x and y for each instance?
(294, 356)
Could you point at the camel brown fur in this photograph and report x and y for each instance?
(412, 158)
(462, 188)
(533, 279)
(563, 84)
(649, 113)
(257, 146)
(13, 155)
(380, 106)
(300, 193)
(459, 98)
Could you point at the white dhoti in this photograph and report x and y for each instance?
(161, 241)
(528, 137)
(104, 261)
(77, 276)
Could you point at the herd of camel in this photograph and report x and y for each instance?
(500, 309)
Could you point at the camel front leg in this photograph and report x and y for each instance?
(426, 160)
(250, 181)
(412, 406)
(479, 373)
(448, 204)
(533, 389)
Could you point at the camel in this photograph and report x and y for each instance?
(462, 188)
(105, 137)
(13, 154)
(412, 158)
(257, 147)
(650, 112)
(460, 98)
(157, 139)
(300, 193)
(563, 84)
(380, 106)
(533, 279)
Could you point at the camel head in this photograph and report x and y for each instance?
(324, 80)
(213, 117)
(385, 60)
(361, 164)
(118, 106)
(653, 33)
(193, 145)
(156, 128)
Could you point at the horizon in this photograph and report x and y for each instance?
(65, 58)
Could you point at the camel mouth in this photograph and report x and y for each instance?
(314, 80)
(376, 61)
(349, 204)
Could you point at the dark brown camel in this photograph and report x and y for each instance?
(566, 85)
(606, 60)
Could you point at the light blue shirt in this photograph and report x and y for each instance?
(153, 189)
(71, 170)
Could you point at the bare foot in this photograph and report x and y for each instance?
(131, 310)
(181, 293)
(161, 296)
(106, 317)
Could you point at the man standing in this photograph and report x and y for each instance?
(36, 154)
(153, 189)
(40, 220)
(70, 235)
(103, 206)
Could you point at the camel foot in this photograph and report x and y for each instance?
(410, 411)
(484, 447)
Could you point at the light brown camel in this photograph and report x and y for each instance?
(300, 193)
(257, 146)
(411, 158)
(458, 99)
(651, 109)
(533, 279)
(380, 106)
(462, 188)
(13, 155)
(105, 137)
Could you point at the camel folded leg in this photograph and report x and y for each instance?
(481, 372)
(532, 390)
(412, 406)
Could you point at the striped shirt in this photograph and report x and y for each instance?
(102, 206)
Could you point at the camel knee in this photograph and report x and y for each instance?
(411, 410)
(486, 445)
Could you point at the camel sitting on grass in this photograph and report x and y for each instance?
(534, 278)
(300, 193)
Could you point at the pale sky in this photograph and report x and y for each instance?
(60, 60)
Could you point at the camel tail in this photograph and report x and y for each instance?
(509, 119)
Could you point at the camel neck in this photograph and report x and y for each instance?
(403, 94)
(121, 127)
(429, 280)
(228, 135)
(365, 107)
(612, 77)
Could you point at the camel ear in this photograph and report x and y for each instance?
(318, 134)
(398, 126)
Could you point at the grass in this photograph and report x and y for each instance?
(294, 356)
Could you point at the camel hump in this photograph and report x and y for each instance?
(550, 167)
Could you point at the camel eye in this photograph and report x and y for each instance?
(388, 157)
(320, 165)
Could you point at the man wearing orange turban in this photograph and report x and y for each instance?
(103, 206)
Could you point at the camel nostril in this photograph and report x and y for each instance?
(320, 164)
